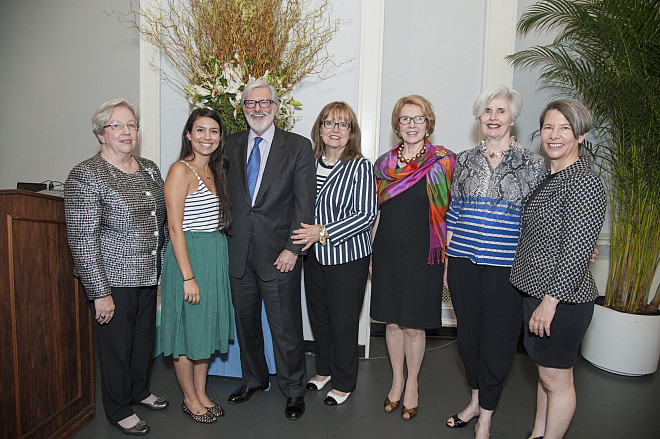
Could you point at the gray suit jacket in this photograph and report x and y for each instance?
(285, 199)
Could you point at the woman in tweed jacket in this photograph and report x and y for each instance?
(560, 224)
(115, 216)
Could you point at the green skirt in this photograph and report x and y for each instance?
(197, 331)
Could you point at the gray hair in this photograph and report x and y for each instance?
(575, 113)
(102, 114)
(498, 91)
(257, 83)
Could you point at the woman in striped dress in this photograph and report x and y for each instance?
(337, 264)
(196, 317)
(490, 183)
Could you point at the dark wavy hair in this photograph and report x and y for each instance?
(218, 163)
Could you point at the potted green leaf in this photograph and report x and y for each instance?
(606, 53)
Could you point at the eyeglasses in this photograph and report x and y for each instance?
(120, 126)
(405, 120)
(344, 126)
(264, 103)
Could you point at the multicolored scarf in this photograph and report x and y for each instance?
(437, 164)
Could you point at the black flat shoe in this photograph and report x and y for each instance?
(529, 433)
(159, 404)
(139, 429)
(295, 407)
(204, 418)
(458, 422)
(216, 410)
(244, 393)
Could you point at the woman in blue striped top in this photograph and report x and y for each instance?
(196, 313)
(337, 264)
(490, 183)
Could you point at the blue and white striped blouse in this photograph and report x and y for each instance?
(484, 214)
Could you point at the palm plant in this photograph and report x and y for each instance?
(607, 54)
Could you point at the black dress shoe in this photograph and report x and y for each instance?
(159, 404)
(295, 407)
(139, 429)
(244, 393)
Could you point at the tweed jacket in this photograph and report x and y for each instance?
(284, 200)
(346, 205)
(558, 231)
(115, 225)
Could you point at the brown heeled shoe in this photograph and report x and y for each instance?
(390, 406)
(412, 412)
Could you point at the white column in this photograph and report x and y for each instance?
(149, 94)
(499, 41)
(369, 103)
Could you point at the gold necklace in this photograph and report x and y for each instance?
(402, 159)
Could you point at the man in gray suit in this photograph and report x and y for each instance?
(272, 183)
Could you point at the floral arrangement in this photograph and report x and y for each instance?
(217, 46)
(221, 90)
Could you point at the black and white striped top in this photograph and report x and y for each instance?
(346, 205)
(200, 213)
(322, 173)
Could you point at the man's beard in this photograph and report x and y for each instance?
(260, 124)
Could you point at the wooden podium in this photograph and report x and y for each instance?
(46, 357)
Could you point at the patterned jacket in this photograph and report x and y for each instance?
(115, 225)
(558, 231)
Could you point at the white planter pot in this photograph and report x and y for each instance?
(625, 344)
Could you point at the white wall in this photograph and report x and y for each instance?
(434, 48)
(60, 60)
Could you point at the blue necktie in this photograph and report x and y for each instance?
(253, 165)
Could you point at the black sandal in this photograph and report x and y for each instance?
(458, 422)
(204, 418)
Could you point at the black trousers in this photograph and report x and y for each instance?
(489, 318)
(334, 299)
(125, 347)
(281, 297)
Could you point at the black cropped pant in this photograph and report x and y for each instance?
(489, 318)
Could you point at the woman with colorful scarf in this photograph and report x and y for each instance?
(409, 235)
